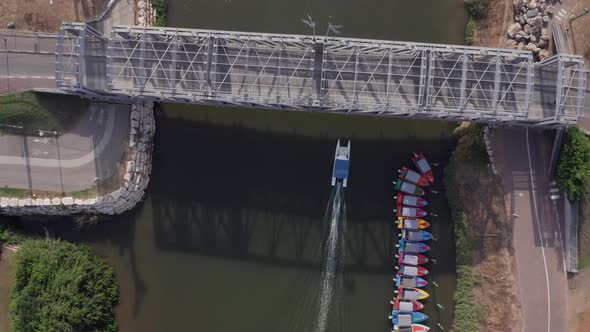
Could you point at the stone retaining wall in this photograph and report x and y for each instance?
(136, 178)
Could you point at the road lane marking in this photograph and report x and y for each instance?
(537, 223)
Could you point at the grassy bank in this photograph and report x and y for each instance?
(477, 10)
(30, 112)
(469, 314)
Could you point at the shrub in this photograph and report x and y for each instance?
(62, 287)
(470, 31)
(468, 313)
(477, 9)
(573, 170)
(471, 148)
(161, 7)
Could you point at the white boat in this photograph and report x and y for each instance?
(341, 164)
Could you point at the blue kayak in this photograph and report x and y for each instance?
(411, 247)
(407, 318)
(415, 235)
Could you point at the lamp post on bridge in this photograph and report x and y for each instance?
(7, 70)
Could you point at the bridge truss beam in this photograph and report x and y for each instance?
(329, 74)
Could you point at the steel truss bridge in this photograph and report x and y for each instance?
(321, 74)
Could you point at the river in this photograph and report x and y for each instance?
(230, 234)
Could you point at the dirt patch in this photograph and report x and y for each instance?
(47, 15)
(483, 200)
(580, 30)
(491, 31)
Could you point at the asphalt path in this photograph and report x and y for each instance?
(74, 161)
(538, 239)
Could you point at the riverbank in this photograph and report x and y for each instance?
(483, 237)
(129, 189)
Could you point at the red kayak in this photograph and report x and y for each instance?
(423, 166)
(412, 176)
(410, 200)
(410, 212)
(412, 271)
(407, 306)
(412, 259)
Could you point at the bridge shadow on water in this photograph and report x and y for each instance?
(227, 203)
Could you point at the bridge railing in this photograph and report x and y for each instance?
(333, 74)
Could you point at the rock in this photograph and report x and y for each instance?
(55, 201)
(512, 43)
(537, 22)
(533, 5)
(513, 29)
(533, 39)
(549, 11)
(140, 4)
(518, 38)
(543, 43)
(544, 32)
(543, 54)
(536, 31)
(527, 28)
(521, 20)
(67, 200)
(532, 13)
(11, 25)
(545, 19)
(533, 48)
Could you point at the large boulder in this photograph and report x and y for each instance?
(543, 43)
(532, 13)
(537, 22)
(518, 38)
(527, 28)
(533, 39)
(513, 29)
(533, 48)
(543, 54)
(521, 20)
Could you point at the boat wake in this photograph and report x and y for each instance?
(331, 260)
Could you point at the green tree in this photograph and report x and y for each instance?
(62, 287)
(470, 31)
(573, 170)
(477, 9)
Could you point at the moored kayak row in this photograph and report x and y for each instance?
(411, 250)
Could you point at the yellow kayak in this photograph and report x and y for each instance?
(412, 223)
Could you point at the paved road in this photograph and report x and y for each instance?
(537, 230)
(72, 162)
(29, 61)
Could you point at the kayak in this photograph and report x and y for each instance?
(412, 259)
(405, 281)
(408, 188)
(412, 224)
(411, 247)
(410, 212)
(415, 236)
(407, 305)
(407, 318)
(413, 176)
(412, 271)
(411, 293)
(410, 200)
(423, 166)
(412, 328)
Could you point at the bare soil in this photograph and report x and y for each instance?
(580, 29)
(494, 264)
(47, 15)
(491, 31)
